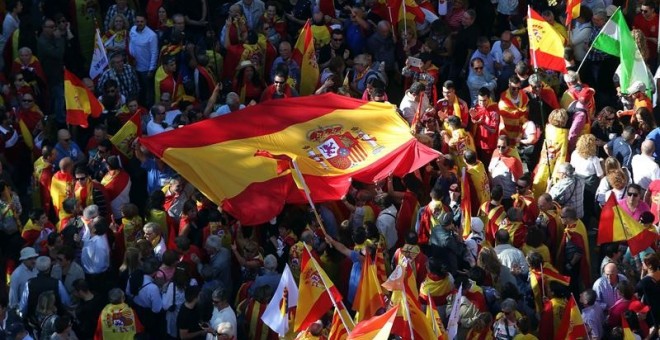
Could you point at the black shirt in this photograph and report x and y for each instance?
(189, 319)
(87, 315)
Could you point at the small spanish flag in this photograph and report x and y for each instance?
(123, 139)
(546, 45)
(616, 225)
(80, 101)
(305, 55)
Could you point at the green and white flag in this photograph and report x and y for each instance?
(615, 39)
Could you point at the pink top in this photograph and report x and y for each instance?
(641, 208)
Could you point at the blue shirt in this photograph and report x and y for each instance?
(156, 178)
(621, 150)
(294, 69)
(654, 135)
(74, 152)
(355, 38)
(354, 279)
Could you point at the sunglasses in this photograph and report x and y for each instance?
(514, 88)
(632, 194)
(644, 11)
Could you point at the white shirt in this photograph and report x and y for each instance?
(498, 53)
(586, 167)
(143, 46)
(154, 128)
(511, 257)
(386, 224)
(19, 277)
(219, 316)
(644, 170)
(160, 248)
(95, 257)
(171, 115)
(409, 106)
(223, 110)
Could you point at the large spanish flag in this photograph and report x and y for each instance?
(80, 101)
(334, 139)
(314, 298)
(546, 45)
(305, 55)
(616, 225)
(123, 139)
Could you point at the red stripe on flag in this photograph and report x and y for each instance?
(252, 121)
(549, 61)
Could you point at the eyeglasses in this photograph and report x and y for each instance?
(514, 88)
(632, 194)
(278, 82)
(80, 179)
(563, 217)
(27, 100)
(477, 68)
(645, 11)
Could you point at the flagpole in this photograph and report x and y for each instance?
(405, 23)
(327, 290)
(433, 323)
(405, 303)
(308, 195)
(542, 286)
(625, 230)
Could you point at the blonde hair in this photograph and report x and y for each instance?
(558, 118)
(617, 179)
(488, 260)
(46, 303)
(612, 164)
(640, 40)
(586, 146)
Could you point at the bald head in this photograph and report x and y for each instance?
(648, 147)
(66, 164)
(63, 134)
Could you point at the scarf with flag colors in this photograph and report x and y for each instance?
(627, 332)
(572, 326)
(276, 314)
(545, 43)
(80, 101)
(368, 296)
(314, 298)
(435, 289)
(616, 225)
(376, 328)
(305, 56)
(615, 39)
(124, 138)
(332, 138)
(553, 153)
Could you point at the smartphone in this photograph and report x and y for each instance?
(415, 62)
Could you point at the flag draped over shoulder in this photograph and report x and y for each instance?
(80, 102)
(276, 315)
(99, 58)
(466, 204)
(123, 139)
(571, 326)
(305, 55)
(332, 138)
(616, 225)
(314, 298)
(615, 39)
(546, 45)
(376, 328)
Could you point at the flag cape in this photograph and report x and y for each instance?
(334, 139)
(616, 225)
(615, 39)
(571, 326)
(538, 279)
(123, 139)
(61, 188)
(277, 311)
(80, 102)
(99, 57)
(313, 298)
(546, 45)
(376, 328)
(368, 296)
(572, 11)
(627, 332)
(433, 317)
(466, 204)
(479, 186)
(305, 56)
(556, 147)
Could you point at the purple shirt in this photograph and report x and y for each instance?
(641, 208)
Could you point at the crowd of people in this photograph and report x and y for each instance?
(100, 243)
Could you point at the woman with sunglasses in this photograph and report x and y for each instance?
(633, 203)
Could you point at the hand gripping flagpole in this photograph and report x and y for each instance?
(327, 290)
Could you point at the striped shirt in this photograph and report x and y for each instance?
(606, 293)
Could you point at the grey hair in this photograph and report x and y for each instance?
(566, 168)
(508, 304)
(219, 294)
(214, 242)
(91, 212)
(115, 296)
(153, 226)
(571, 77)
(232, 98)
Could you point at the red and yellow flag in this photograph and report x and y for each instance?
(572, 11)
(466, 204)
(332, 138)
(627, 332)
(368, 295)
(433, 317)
(616, 225)
(80, 101)
(411, 11)
(571, 326)
(314, 291)
(123, 139)
(546, 45)
(337, 329)
(376, 328)
(305, 55)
